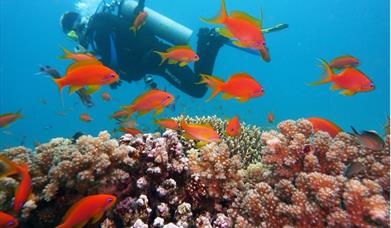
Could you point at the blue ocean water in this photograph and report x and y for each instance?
(30, 35)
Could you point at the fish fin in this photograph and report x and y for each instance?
(171, 61)
(92, 89)
(241, 75)
(82, 63)
(159, 110)
(225, 32)
(81, 225)
(182, 64)
(133, 28)
(163, 55)
(239, 44)
(201, 144)
(74, 88)
(66, 54)
(188, 136)
(244, 16)
(335, 87)
(243, 99)
(12, 168)
(97, 217)
(329, 74)
(347, 92)
(220, 18)
(354, 130)
(226, 96)
(179, 47)
(143, 112)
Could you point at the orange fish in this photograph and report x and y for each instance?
(244, 28)
(139, 21)
(7, 221)
(167, 123)
(129, 130)
(320, 124)
(119, 114)
(344, 62)
(76, 56)
(350, 80)
(23, 191)
(130, 123)
(270, 117)
(233, 127)
(240, 86)
(105, 96)
(90, 73)
(148, 101)
(202, 132)
(85, 117)
(182, 54)
(7, 118)
(90, 207)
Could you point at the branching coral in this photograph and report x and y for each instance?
(247, 145)
(163, 181)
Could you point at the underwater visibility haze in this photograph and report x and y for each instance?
(206, 113)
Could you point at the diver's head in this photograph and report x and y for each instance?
(71, 24)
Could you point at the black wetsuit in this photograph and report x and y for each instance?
(135, 57)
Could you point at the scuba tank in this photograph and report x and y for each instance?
(163, 27)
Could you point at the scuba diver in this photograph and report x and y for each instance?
(107, 33)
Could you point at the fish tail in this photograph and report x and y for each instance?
(66, 54)
(329, 74)
(60, 85)
(130, 109)
(133, 28)
(163, 55)
(213, 82)
(12, 168)
(220, 18)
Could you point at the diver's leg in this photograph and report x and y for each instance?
(208, 45)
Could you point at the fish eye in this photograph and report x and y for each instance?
(168, 97)
(10, 223)
(232, 129)
(109, 200)
(112, 75)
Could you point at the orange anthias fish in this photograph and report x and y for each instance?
(105, 96)
(167, 123)
(90, 207)
(320, 124)
(240, 86)
(270, 117)
(76, 56)
(129, 130)
(8, 221)
(139, 21)
(7, 118)
(233, 127)
(243, 27)
(182, 54)
(23, 191)
(202, 132)
(344, 62)
(119, 114)
(350, 80)
(90, 73)
(85, 117)
(151, 100)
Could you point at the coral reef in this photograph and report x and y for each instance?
(294, 178)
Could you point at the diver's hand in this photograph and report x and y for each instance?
(115, 84)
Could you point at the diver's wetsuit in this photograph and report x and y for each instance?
(132, 56)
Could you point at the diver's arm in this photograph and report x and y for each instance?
(275, 28)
